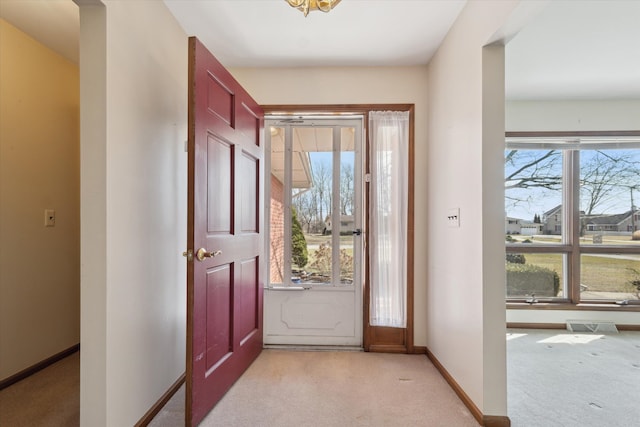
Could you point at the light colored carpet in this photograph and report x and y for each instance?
(294, 388)
(558, 378)
(555, 379)
(48, 398)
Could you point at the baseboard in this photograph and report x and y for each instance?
(157, 407)
(496, 421)
(418, 349)
(38, 366)
(628, 327)
(516, 325)
(475, 411)
(483, 420)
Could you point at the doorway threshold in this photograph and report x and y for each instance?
(297, 347)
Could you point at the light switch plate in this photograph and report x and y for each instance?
(453, 217)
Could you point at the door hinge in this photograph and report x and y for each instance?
(188, 254)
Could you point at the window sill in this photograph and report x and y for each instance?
(574, 307)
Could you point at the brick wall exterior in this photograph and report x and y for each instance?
(276, 236)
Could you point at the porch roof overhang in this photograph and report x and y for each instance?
(306, 140)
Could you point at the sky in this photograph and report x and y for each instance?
(537, 200)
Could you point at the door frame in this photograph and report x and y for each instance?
(375, 338)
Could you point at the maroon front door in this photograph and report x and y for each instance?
(225, 216)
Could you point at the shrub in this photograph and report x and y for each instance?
(635, 235)
(527, 241)
(298, 242)
(509, 238)
(635, 282)
(527, 279)
(322, 259)
(516, 258)
(321, 262)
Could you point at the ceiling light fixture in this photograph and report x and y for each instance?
(305, 6)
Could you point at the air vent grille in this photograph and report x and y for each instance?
(591, 326)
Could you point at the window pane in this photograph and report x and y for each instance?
(533, 193)
(347, 205)
(276, 211)
(609, 180)
(539, 274)
(610, 276)
(312, 169)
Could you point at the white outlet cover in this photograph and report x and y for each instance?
(49, 218)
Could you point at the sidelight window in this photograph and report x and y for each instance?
(389, 134)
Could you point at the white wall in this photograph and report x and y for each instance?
(465, 296)
(359, 85)
(584, 115)
(133, 127)
(39, 169)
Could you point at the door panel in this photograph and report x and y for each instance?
(249, 181)
(224, 287)
(219, 285)
(247, 298)
(250, 124)
(219, 185)
(220, 99)
(327, 313)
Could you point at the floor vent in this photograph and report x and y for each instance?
(591, 326)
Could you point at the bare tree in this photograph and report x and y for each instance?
(605, 175)
(531, 168)
(527, 169)
(303, 203)
(346, 189)
(313, 204)
(321, 190)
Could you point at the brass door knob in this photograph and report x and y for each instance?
(203, 253)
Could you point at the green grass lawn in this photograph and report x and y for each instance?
(599, 273)
(316, 239)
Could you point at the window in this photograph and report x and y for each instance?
(314, 171)
(577, 197)
(389, 189)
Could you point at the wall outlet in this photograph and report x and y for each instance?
(49, 218)
(453, 217)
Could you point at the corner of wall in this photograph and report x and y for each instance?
(93, 193)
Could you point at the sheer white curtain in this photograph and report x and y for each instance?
(389, 135)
